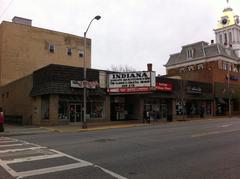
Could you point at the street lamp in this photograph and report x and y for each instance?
(84, 124)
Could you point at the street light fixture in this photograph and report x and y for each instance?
(84, 123)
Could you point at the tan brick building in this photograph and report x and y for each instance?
(24, 49)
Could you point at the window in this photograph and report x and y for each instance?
(182, 70)
(69, 51)
(220, 65)
(45, 107)
(230, 37)
(220, 39)
(191, 68)
(190, 53)
(95, 109)
(51, 48)
(225, 66)
(81, 53)
(63, 110)
(200, 66)
(225, 39)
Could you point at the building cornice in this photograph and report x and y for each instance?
(202, 60)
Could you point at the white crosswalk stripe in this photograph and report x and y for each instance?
(36, 152)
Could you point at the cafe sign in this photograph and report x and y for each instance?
(130, 82)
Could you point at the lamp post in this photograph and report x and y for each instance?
(229, 97)
(84, 123)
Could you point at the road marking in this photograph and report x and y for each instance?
(50, 170)
(10, 141)
(28, 159)
(17, 150)
(226, 125)
(111, 173)
(213, 133)
(79, 163)
(11, 145)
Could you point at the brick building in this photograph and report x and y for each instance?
(24, 49)
(216, 63)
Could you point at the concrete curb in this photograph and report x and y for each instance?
(7, 134)
(94, 128)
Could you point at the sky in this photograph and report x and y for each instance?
(130, 32)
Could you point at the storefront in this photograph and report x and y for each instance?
(224, 94)
(127, 91)
(58, 92)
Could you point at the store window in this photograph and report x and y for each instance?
(45, 107)
(208, 108)
(179, 107)
(63, 110)
(95, 109)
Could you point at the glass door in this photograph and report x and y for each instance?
(75, 113)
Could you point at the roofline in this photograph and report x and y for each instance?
(43, 29)
(195, 43)
(202, 58)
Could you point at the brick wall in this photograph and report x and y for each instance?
(15, 99)
(25, 49)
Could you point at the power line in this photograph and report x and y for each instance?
(6, 9)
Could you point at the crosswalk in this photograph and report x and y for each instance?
(22, 159)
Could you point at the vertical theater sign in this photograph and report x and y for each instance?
(131, 82)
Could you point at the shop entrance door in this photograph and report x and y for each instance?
(163, 111)
(75, 113)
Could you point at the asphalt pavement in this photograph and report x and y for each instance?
(193, 149)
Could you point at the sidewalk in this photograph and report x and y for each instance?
(95, 126)
(14, 130)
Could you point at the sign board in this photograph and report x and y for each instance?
(194, 90)
(129, 90)
(164, 87)
(81, 84)
(130, 82)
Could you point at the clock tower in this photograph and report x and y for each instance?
(228, 30)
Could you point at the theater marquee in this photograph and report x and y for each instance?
(131, 82)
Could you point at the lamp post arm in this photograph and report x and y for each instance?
(85, 33)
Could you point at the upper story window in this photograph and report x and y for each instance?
(220, 39)
(69, 51)
(51, 48)
(225, 66)
(200, 67)
(81, 53)
(230, 37)
(182, 70)
(225, 39)
(190, 53)
(220, 65)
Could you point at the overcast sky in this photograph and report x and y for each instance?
(130, 32)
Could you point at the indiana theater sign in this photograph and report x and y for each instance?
(131, 82)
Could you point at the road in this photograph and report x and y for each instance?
(195, 149)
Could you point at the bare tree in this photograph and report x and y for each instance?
(122, 68)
